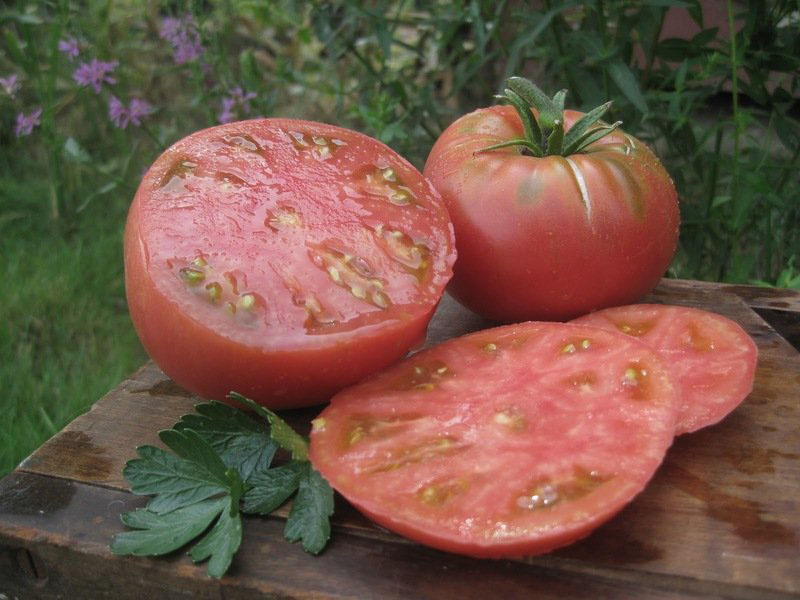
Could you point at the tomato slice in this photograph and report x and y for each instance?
(284, 259)
(506, 442)
(713, 358)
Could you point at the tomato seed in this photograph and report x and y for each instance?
(192, 275)
(214, 292)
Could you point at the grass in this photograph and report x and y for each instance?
(65, 334)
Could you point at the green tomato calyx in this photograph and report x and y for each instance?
(543, 121)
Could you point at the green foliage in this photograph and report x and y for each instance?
(720, 110)
(206, 477)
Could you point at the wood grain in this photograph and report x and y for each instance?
(721, 517)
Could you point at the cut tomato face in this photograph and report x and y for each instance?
(507, 442)
(713, 358)
(284, 259)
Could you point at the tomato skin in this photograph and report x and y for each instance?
(277, 360)
(555, 237)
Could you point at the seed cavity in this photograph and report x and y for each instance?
(635, 329)
(173, 179)
(318, 146)
(511, 418)
(319, 318)
(363, 427)
(636, 381)
(437, 494)
(414, 257)
(192, 275)
(383, 181)
(214, 292)
(695, 340)
(352, 273)
(574, 346)
(245, 142)
(220, 289)
(283, 218)
(582, 382)
(547, 492)
(246, 301)
(229, 180)
(425, 450)
(424, 377)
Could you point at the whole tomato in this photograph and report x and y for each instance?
(555, 213)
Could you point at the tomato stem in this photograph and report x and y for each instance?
(543, 121)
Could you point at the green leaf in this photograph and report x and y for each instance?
(535, 150)
(556, 140)
(174, 482)
(626, 82)
(582, 126)
(593, 135)
(309, 519)
(240, 442)
(530, 93)
(559, 99)
(158, 534)
(532, 131)
(221, 543)
(270, 489)
(214, 450)
(281, 432)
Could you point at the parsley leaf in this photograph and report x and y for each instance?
(272, 488)
(222, 542)
(161, 534)
(219, 465)
(240, 442)
(174, 482)
(281, 432)
(309, 519)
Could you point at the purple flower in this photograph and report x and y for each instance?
(184, 36)
(26, 123)
(9, 84)
(69, 46)
(243, 98)
(226, 116)
(238, 98)
(122, 115)
(138, 109)
(95, 73)
(117, 112)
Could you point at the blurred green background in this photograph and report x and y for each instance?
(92, 91)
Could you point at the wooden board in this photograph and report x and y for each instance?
(721, 517)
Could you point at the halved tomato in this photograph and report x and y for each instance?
(510, 441)
(713, 358)
(284, 259)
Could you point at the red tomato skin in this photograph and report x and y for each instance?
(290, 374)
(551, 238)
(280, 379)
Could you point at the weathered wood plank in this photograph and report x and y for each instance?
(721, 517)
(55, 542)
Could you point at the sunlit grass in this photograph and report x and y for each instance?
(65, 334)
